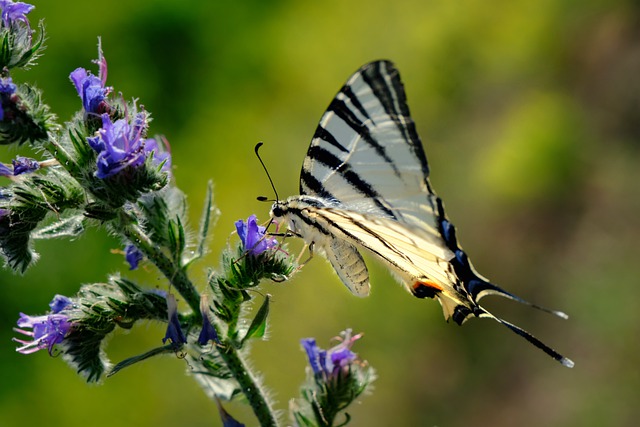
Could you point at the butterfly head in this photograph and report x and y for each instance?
(278, 209)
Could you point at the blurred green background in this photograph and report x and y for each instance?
(530, 114)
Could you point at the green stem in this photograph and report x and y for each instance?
(251, 389)
(174, 273)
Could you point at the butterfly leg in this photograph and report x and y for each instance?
(304, 248)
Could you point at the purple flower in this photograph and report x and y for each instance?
(133, 256)
(159, 155)
(227, 419)
(118, 145)
(7, 88)
(174, 330)
(3, 212)
(92, 89)
(4, 170)
(6, 85)
(208, 331)
(59, 303)
(24, 165)
(313, 354)
(330, 363)
(14, 12)
(47, 330)
(253, 237)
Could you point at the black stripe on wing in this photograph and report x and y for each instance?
(346, 90)
(321, 155)
(326, 136)
(394, 101)
(315, 187)
(342, 110)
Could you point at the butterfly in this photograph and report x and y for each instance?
(364, 185)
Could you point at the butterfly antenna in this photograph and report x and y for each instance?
(262, 198)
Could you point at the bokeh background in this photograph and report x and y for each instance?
(530, 114)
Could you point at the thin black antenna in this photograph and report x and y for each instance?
(262, 198)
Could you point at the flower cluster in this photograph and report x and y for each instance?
(331, 364)
(17, 48)
(336, 379)
(47, 330)
(120, 143)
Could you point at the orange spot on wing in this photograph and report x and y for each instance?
(427, 283)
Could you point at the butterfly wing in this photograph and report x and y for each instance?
(366, 154)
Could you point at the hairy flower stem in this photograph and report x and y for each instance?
(251, 389)
(174, 273)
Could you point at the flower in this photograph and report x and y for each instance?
(92, 89)
(24, 165)
(174, 330)
(7, 88)
(14, 12)
(329, 364)
(227, 419)
(253, 236)
(16, 35)
(133, 256)
(59, 303)
(159, 156)
(118, 146)
(5, 171)
(47, 330)
(208, 331)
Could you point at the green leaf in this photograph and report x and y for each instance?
(213, 375)
(207, 219)
(258, 325)
(177, 242)
(68, 227)
(169, 348)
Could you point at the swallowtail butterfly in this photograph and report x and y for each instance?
(364, 185)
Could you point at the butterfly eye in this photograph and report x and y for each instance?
(277, 211)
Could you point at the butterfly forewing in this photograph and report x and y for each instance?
(366, 154)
